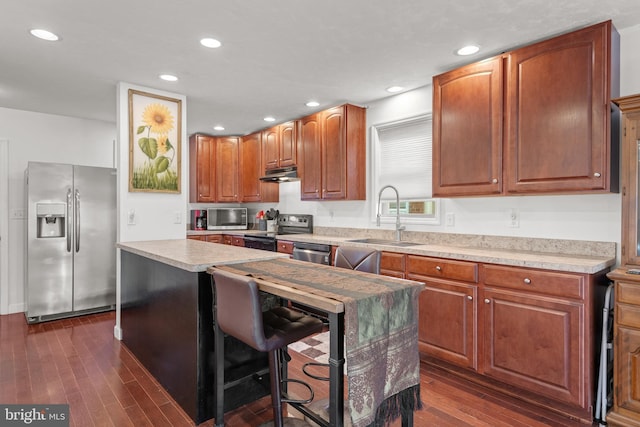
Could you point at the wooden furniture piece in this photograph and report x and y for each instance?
(239, 313)
(331, 154)
(626, 344)
(285, 246)
(533, 120)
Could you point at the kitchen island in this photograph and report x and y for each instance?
(167, 321)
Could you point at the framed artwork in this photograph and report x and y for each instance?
(155, 131)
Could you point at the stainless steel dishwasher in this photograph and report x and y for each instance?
(312, 252)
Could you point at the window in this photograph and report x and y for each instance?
(402, 158)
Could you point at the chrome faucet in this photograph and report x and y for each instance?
(399, 227)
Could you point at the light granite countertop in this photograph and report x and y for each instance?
(549, 254)
(194, 255)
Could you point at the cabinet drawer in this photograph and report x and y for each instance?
(237, 241)
(628, 293)
(539, 281)
(214, 238)
(392, 261)
(628, 315)
(285, 247)
(442, 268)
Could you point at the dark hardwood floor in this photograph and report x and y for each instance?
(77, 361)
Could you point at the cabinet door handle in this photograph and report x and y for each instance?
(438, 268)
(597, 174)
(469, 297)
(527, 281)
(494, 181)
(487, 301)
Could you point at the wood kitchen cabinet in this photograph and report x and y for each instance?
(538, 333)
(331, 154)
(251, 169)
(626, 332)
(202, 171)
(467, 130)
(227, 168)
(280, 145)
(448, 308)
(552, 132)
(392, 264)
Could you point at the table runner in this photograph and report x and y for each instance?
(381, 332)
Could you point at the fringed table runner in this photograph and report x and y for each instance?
(381, 331)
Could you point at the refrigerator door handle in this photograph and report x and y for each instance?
(77, 220)
(69, 220)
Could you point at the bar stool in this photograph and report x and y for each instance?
(360, 259)
(239, 314)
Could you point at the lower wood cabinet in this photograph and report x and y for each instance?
(528, 332)
(211, 238)
(285, 246)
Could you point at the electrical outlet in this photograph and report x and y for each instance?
(131, 217)
(514, 218)
(17, 214)
(451, 219)
(177, 218)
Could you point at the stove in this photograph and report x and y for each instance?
(286, 224)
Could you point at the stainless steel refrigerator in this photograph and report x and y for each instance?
(71, 233)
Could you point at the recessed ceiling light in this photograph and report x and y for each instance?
(312, 104)
(168, 77)
(468, 50)
(209, 42)
(269, 119)
(394, 89)
(44, 35)
(218, 127)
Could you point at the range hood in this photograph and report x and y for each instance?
(281, 175)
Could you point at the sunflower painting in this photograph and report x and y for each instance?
(154, 142)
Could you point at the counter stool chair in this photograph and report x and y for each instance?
(239, 314)
(354, 258)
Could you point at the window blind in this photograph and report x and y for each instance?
(404, 158)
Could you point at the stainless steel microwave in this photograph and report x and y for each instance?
(227, 219)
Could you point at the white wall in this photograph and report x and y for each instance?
(46, 138)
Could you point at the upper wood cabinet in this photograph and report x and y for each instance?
(227, 169)
(331, 154)
(280, 145)
(202, 171)
(251, 169)
(554, 125)
(467, 130)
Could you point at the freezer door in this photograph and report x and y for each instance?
(49, 268)
(94, 248)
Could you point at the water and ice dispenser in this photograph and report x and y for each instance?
(51, 219)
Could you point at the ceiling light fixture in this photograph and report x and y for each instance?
(44, 35)
(312, 104)
(467, 50)
(211, 43)
(269, 119)
(395, 89)
(168, 77)
(218, 127)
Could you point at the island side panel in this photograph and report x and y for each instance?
(160, 326)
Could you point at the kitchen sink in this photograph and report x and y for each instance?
(384, 242)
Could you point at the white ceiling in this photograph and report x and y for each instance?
(276, 54)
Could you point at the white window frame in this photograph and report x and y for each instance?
(387, 217)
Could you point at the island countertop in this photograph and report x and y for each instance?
(194, 255)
